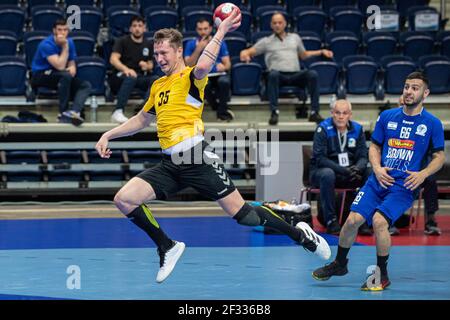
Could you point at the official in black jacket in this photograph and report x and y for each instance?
(339, 159)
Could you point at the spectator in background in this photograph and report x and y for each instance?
(282, 51)
(218, 89)
(339, 159)
(131, 58)
(54, 67)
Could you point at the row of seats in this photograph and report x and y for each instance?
(303, 18)
(356, 74)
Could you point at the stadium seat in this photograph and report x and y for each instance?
(235, 44)
(437, 69)
(91, 19)
(92, 69)
(364, 4)
(13, 75)
(311, 41)
(106, 175)
(12, 18)
(291, 5)
(444, 41)
(347, 18)
(11, 2)
(246, 24)
(396, 68)
(404, 5)
(191, 14)
(216, 3)
(264, 16)
(245, 78)
(8, 43)
(144, 4)
(84, 42)
(144, 156)
(328, 76)
(31, 41)
(23, 157)
(64, 156)
(328, 4)
(116, 157)
(360, 74)
(108, 4)
(43, 17)
(182, 4)
(66, 175)
(106, 51)
(416, 44)
(24, 176)
(161, 17)
(79, 2)
(429, 17)
(310, 18)
(119, 18)
(342, 43)
(379, 44)
(255, 4)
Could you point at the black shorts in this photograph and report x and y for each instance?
(197, 168)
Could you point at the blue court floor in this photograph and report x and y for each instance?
(222, 261)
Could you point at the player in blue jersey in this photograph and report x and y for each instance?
(401, 143)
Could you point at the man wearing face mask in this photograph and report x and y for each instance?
(132, 60)
(339, 160)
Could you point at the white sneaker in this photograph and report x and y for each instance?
(316, 243)
(168, 260)
(118, 116)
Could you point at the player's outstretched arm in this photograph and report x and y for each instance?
(209, 55)
(128, 128)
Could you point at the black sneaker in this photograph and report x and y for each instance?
(384, 283)
(228, 116)
(431, 228)
(333, 228)
(364, 230)
(71, 117)
(315, 117)
(331, 269)
(274, 118)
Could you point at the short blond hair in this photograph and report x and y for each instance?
(174, 37)
(333, 105)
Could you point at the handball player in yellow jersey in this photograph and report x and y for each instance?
(176, 104)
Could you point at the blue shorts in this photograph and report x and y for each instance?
(391, 202)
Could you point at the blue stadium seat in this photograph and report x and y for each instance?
(342, 43)
(328, 76)
(379, 44)
(191, 14)
(79, 2)
(396, 68)
(311, 41)
(245, 78)
(182, 4)
(31, 41)
(144, 156)
(264, 16)
(216, 3)
(8, 43)
(13, 75)
(43, 17)
(404, 5)
(444, 40)
(11, 2)
(291, 5)
(235, 44)
(416, 44)
(255, 4)
(430, 12)
(108, 4)
(161, 17)
(364, 4)
(24, 176)
(260, 34)
(69, 175)
(144, 4)
(106, 51)
(116, 157)
(91, 19)
(347, 18)
(328, 4)
(246, 24)
(106, 175)
(437, 69)
(310, 18)
(12, 18)
(84, 42)
(119, 18)
(92, 69)
(64, 156)
(23, 156)
(360, 74)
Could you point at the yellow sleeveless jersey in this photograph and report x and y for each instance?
(177, 101)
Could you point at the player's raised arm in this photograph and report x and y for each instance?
(208, 58)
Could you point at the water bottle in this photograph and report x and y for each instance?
(94, 106)
(332, 101)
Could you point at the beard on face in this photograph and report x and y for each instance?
(414, 103)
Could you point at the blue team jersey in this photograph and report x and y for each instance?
(192, 44)
(407, 141)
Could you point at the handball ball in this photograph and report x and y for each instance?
(222, 12)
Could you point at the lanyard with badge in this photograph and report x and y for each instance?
(343, 156)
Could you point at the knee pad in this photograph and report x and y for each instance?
(247, 216)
